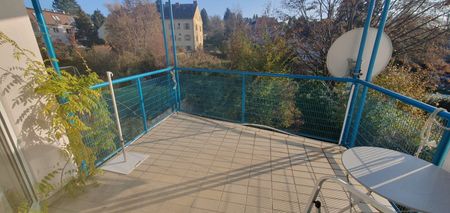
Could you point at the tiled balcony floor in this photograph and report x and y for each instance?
(204, 165)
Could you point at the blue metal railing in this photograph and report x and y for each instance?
(143, 101)
(315, 106)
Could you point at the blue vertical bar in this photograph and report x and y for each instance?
(166, 48)
(175, 60)
(243, 99)
(45, 35)
(178, 88)
(174, 43)
(370, 70)
(443, 148)
(141, 99)
(357, 70)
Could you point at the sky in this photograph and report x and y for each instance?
(213, 7)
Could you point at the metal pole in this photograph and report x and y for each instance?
(347, 118)
(355, 87)
(443, 148)
(141, 100)
(174, 43)
(45, 35)
(166, 48)
(243, 99)
(370, 69)
(175, 60)
(116, 113)
(347, 187)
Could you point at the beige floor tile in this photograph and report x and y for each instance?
(253, 209)
(234, 198)
(204, 165)
(207, 204)
(228, 207)
(210, 194)
(260, 202)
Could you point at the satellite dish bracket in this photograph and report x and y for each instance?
(357, 74)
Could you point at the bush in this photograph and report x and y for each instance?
(200, 59)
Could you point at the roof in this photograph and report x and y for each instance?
(53, 17)
(180, 11)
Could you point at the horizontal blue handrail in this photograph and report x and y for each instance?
(398, 96)
(266, 74)
(133, 77)
(405, 99)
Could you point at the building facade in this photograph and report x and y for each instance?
(188, 25)
(61, 26)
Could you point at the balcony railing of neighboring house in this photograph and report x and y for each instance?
(310, 106)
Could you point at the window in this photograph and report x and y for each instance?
(196, 28)
(188, 48)
(187, 37)
(187, 26)
(179, 37)
(56, 18)
(196, 38)
(68, 31)
(179, 26)
(56, 30)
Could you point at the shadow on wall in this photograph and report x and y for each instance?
(25, 112)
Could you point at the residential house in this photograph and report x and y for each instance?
(61, 26)
(188, 25)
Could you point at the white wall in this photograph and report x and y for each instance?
(41, 156)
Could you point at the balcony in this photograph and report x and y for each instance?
(240, 141)
(218, 144)
(198, 164)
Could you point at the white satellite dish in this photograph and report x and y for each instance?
(341, 57)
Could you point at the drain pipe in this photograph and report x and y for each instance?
(116, 113)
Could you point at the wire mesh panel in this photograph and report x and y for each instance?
(102, 136)
(159, 98)
(305, 107)
(386, 122)
(323, 105)
(128, 105)
(141, 102)
(211, 94)
(127, 100)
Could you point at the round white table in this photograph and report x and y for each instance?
(399, 177)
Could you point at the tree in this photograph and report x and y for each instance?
(69, 6)
(416, 28)
(205, 19)
(86, 33)
(227, 14)
(215, 35)
(97, 18)
(134, 29)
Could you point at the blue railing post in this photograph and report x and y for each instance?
(373, 58)
(177, 76)
(355, 87)
(166, 48)
(45, 35)
(443, 148)
(141, 99)
(175, 60)
(243, 99)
